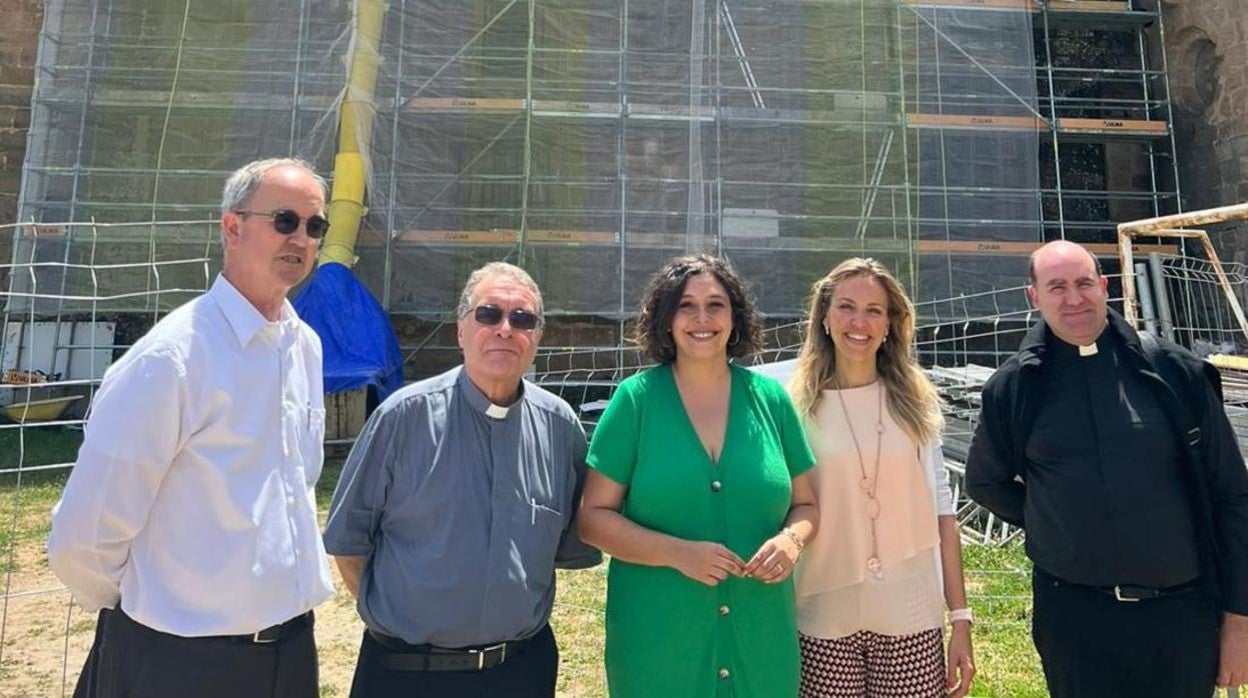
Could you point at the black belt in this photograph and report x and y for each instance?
(408, 657)
(271, 634)
(1127, 592)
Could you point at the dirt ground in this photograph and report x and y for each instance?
(45, 637)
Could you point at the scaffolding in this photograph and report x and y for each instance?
(589, 140)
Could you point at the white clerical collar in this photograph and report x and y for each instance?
(1087, 349)
(483, 404)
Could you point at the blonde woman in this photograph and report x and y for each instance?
(872, 587)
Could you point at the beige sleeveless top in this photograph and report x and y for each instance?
(836, 594)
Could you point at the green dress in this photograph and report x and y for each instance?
(668, 635)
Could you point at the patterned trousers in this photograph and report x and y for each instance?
(869, 665)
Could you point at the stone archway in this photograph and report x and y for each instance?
(1195, 72)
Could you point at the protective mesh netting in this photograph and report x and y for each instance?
(586, 140)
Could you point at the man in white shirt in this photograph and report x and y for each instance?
(189, 520)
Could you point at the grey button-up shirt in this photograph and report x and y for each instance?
(463, 510)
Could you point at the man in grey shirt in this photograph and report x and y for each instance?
(454, 508)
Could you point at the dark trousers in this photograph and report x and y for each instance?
(1094, 646)
(529, 674)
(131, 660)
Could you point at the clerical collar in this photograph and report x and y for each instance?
(481, 403)
(1078, 351)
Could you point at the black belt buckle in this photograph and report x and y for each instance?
(481, 654)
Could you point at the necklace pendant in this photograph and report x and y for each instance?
(875, 567)
(879, 427)
(873, 509)
(865, 486)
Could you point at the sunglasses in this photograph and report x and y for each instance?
(491, 315)
(287, 222)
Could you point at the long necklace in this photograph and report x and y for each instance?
(867, 484)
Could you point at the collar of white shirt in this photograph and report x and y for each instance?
(243, 317)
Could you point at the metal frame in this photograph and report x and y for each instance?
(1178, 226)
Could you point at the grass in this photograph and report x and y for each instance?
(26, 498)
(998, 583)
(36, 445)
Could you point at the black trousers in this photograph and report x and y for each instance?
(131, 660)
(1094, 646)
(529, 674)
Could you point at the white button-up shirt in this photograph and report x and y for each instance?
(192, 499)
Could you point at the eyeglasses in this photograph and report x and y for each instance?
(287, 222)
(491, 315)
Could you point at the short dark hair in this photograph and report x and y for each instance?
(662, 297)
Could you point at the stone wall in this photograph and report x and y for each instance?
(1207, 47)
(19, 40)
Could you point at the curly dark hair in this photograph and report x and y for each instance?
(662, 297)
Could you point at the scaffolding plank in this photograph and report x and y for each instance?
(880, 117)
(509, 236)
(1120, 127)
(1133, 127)
(1030, 5)
(552, 106)
(976, 122)
(680, 112)
(872, 115)
(596, 237)
(1114, 16)
(995, 247)
(459, 237)
(463, 104)
(985, 4)
(1087, 6)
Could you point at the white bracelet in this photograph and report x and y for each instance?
(965, 614)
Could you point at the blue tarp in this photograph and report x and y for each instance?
(360, 346)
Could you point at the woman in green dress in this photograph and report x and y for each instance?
(697, 491)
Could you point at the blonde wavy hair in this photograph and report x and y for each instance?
(912, 399)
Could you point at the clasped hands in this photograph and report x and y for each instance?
(712, 563)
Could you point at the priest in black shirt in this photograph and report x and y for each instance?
(1116, 456)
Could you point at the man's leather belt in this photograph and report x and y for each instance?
(271, 634)
(409, 657)
(1129, 592)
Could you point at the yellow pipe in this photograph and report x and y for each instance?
(346, 205)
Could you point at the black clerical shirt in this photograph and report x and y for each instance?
(1106, 502)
